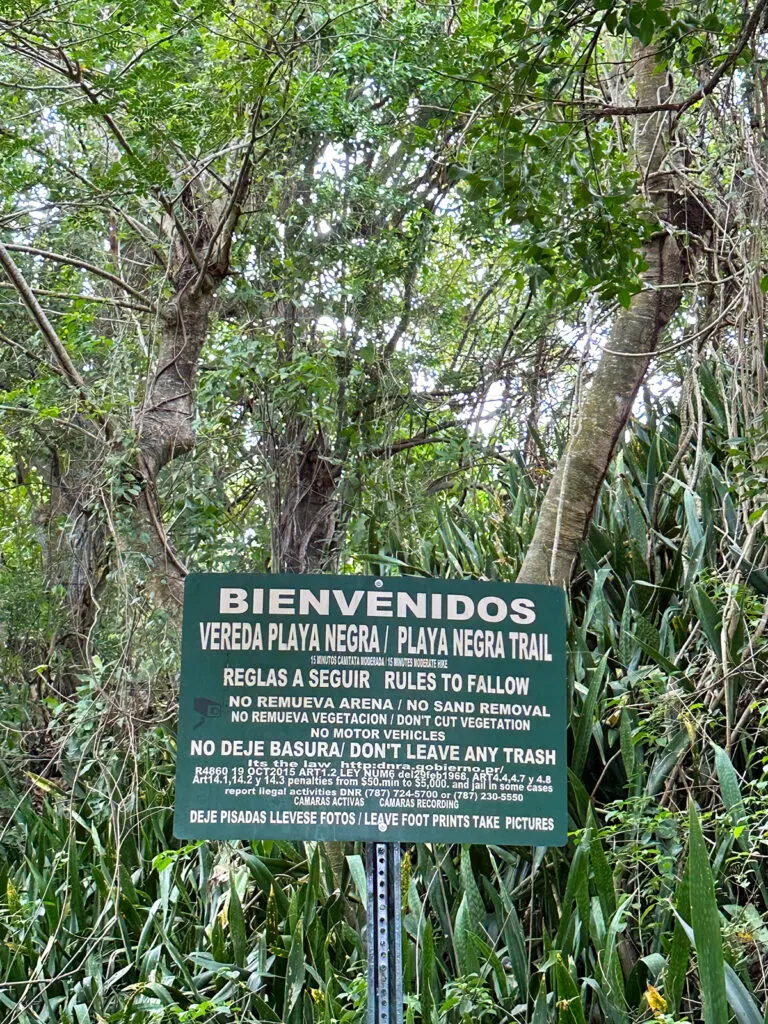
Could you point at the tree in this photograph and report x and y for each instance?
(675, 206)
(221, 224)
(571, 496)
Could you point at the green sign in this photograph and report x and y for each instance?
(356, 707)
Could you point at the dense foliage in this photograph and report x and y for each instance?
(309, 287)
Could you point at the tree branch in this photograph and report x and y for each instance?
(73, 71)
(746, 34)
(748, 30)
(5, 340)
(231, 213)
(428, 437)
(74, 296)
(42, 322)
(83, 265)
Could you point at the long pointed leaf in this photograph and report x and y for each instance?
(705, 919)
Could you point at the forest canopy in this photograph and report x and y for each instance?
(465, 290)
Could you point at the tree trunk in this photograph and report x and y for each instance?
(305, 509)
(572, 494)
(74, 534)
(165, 422)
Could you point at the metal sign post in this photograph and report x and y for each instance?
(384, 934)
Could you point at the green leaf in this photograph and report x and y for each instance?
(490, 957)
(237, 926)
(81, 1014)
(475, 903)
(612, 971)
(606, 890)
(627, 744)
(75, 885)
(596, 599)
(426, 970)
(357, 871)
(578, 876)
(731, 794)
(745, 1009)
(265, 880)
(540, 1015)
(568, 996)
(651, 650)
(626, 637)
(677, 967)
(466, 957)
(708, 617)
(744, 1006)
(705, 919)
(585, 723)
(695, 531)
(664, 762)
(514, 937)
(265, 1010)
(296, 971)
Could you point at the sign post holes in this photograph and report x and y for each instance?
(388, 710)
(384, 934)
